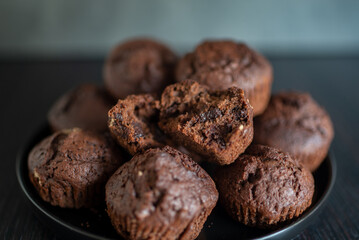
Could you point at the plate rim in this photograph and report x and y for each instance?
(82, 232)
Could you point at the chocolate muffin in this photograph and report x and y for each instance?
(133, 123)
(295, 123)
(216, 124)
(224, 64)
(70, 168)
(84, 107)
(139, 66)
(264, 187)
(160, 194)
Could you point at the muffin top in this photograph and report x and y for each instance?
(74, 156)
(85, 107)
(265, 181)
(138, 66)
(161, 187)
(295, 123)
(223, 64)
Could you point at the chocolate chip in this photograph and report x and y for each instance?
(172, 111)
(240, 114)
(211, 114)
(138, 130)
(119, 117)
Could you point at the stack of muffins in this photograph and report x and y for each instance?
(212, 105)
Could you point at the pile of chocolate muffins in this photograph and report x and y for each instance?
(213, 107)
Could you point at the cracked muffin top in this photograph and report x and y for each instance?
(139, 66)
(264, 186)
(163, 191)
(70, 167)
(295, 123)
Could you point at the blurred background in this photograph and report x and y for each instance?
(89, 28)
(49, 46)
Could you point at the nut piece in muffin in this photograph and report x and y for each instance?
(264, 187)
(218, 124)
(224, 64)
(133, 123)
(295, 123)
(160, 194)
(85, 107)
(139, 66)
(70, 168)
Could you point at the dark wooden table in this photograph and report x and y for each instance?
(28, 88)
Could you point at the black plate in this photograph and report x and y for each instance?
(94, 224)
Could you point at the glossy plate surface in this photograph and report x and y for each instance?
(94, 224)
